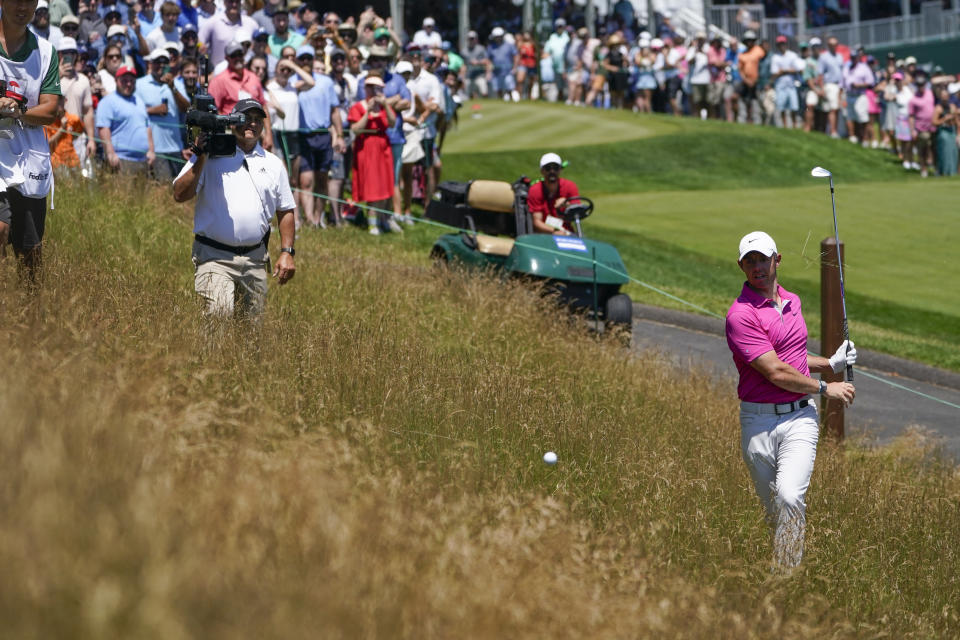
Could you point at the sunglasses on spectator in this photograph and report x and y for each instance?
(69, 27)
(115, 56)
(552, 167)
(236, 54)
(305, 57)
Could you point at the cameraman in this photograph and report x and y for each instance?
(236, 197)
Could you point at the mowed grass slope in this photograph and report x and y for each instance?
(675, 203)
(368, 465)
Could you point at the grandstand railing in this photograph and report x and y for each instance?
(932, 23)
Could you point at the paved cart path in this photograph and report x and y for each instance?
(880, 411)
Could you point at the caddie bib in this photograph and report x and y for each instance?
(27, 149)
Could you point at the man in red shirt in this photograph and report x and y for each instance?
(550, 194)
(238, 83)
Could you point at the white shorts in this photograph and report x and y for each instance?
(858, 109)
(831, 101)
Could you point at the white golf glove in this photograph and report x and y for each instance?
(842, 357)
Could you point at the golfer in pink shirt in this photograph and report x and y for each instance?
(778, 417)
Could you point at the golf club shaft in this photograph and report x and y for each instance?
(843, 293)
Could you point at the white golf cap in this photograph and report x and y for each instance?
(497, 32)
(42, 4)
(404, 66)
(815, 41)
(116, 30)
(429, 22)
(910, 60)
(156, 54)
(757, 241)
(550, 158)
(67, 44)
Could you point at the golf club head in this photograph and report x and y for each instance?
(820, 172)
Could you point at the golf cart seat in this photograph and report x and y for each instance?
(494, 245)
(491, 195)
(483, 206)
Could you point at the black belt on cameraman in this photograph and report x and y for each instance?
(238, 251)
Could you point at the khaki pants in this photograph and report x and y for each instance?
(236, 285)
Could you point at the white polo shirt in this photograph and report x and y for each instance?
(427, 87)
(235, 203)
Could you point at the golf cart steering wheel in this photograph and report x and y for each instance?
(576, 207)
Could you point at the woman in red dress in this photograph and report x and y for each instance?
(373, 163)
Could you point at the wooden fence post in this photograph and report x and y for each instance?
(831, 330)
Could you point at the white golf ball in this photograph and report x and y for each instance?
(550, 457)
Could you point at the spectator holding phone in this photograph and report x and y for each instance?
(370, 119)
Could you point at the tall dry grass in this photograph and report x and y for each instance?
(368, 465)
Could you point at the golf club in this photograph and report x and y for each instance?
(820, 172)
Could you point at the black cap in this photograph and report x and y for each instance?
(248, 104)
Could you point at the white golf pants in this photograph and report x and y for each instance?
(779, 452)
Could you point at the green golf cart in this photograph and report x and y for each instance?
(497, 232)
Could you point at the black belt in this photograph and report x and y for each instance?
(237, 251)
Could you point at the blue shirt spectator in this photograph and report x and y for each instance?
(166, 128)
(501, 55)
(317, 103)
(148, 24)
(830, 66)
(127, 120)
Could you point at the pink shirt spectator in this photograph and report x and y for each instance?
(921, 110)
(217, 32)
(754, 327)
(227, 89)
(717, 59)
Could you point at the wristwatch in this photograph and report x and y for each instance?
(823, 387)
(289, 250)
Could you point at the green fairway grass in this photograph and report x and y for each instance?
(898, 238)
(674, 154)
(489, 125)
(677, 202)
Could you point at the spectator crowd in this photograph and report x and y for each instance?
(358, 112)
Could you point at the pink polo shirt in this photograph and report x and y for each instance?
(227, 89)
(754, 327)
